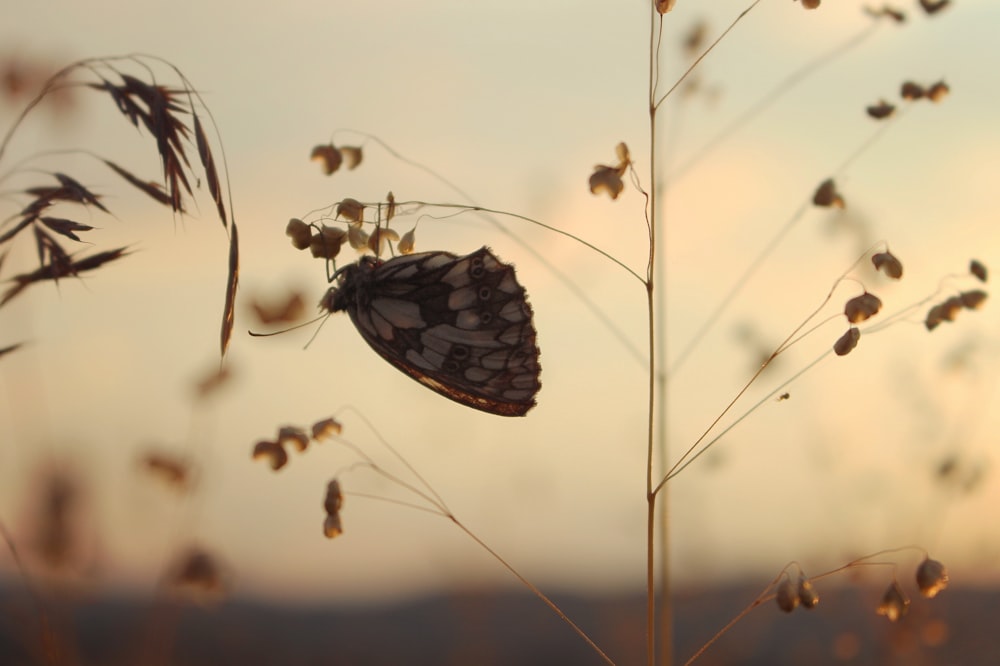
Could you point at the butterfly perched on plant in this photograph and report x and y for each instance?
(459, 325)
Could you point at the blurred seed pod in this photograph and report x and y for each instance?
(272, 452)
(197, 570)
(938, 91)
(888, 264)
(894, 603)
(862, 307)
(295, 436)
(787, 596)
(847, 341)
(299, 232)
(326, 243)
(334, 498)
(881, 110)
(378, 239)
(326, 428)
(827, 196)
(931, 577)
(352, 156)
(351, 210)
(971, 300)
(978, 269)
(328, 156)
(808, 596)
(912, 91)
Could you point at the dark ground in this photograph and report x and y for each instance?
(959, 627)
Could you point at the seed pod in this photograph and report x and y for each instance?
(862, 307)
(299, 232)
(978, 269)
(787, 596)
(931, 577)
(888, 264)
(894, 603)
(847, 341)
(808, 596)
(826, 195)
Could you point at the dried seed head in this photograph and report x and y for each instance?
(894, 14)
(299, 232)
(978, 269)
(288, 310)
(328, 156)
(378, 239)
(326, 428)
(664, 6)
(808, 596)
(810, 4)
(213, 381)
(405, 244)
(862, 307)
(390, 210)
(826, 195)
(326, 243)
(357, 237)
(332, 527)
(334, 498)
(971, 300)
(273, 452)
(881, 110)
(847, 341)
(351, 210)
(606, 179)
(911, 91)
(938, 91)
(894, 603)
(352, 156)
(931, 577)
(294, 436)
(888, 264)
(934, 6)
(787, 596)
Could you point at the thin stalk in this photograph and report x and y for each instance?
(655, 24)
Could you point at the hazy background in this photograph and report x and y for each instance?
(515, 102)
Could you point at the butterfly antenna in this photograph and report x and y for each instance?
(293, 328)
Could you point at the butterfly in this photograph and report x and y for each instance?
(459, 325)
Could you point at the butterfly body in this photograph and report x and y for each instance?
(460, 325)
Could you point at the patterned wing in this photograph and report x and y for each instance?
(461, 326)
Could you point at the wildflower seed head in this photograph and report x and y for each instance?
(978, 269)
(272, 452)
(390, 209)
(326, 243)
(378, 239)
(407, 241)
(934, 6)
(328, 156)
(334, 498)
(894, 603)
(326, 428)
(881, 111)
(847, 341)
(332, 527)
(972, 300)
(888, 264)
(664, 6)
(351, 210)
(826, 195)
(911, 91)
(787, 596)
(294, 436)
(357, 237)
(862, 307)
(810, 4)
(938, 91)
(352, 156)
(931, 577)
(299, 232)
(808, 596)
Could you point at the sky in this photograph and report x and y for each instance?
(514, 103)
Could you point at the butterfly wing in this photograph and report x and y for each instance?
(461, 326)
